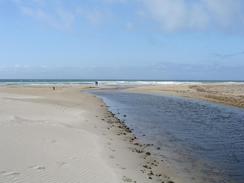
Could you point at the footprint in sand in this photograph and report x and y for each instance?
(121, 167)
(111, 157)
(113, 150)
(61, 163)
(127, 179)
(6, 173)
(38, 167)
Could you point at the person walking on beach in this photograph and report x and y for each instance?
(96, 83)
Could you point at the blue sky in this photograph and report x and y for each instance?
(122, 39)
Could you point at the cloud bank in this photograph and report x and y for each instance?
(175, 15)
(59, 14)
(170, 15)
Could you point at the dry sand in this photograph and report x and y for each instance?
(66, 136)
(230, 94)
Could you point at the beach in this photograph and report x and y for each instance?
(229, 94)
(68, 136)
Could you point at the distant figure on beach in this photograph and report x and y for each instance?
(96, 83)
(54, 88)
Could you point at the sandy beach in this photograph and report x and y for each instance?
(70, 137)
(117, 91)
(229, 94)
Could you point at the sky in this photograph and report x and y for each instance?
(122, 39)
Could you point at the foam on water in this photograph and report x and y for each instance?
(107, 82)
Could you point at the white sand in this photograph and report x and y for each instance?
(64, 136)
(38, 143)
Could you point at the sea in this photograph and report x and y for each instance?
(109, 82)
(202, 141)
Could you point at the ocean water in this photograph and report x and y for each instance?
(106, 82)
(202, 140)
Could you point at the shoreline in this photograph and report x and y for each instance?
(231, 94)
(59, 121)
(196, 176)
(227, 94)
(122, 156)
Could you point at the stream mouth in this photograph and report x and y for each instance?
(202, 140)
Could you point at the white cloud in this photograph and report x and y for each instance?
(60, 20)
(225, 11)
(171, 15)
(57, 14)
(53, 15)
(93, 15)
(174, 15)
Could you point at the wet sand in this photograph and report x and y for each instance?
(230, 94)
(69, 136)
